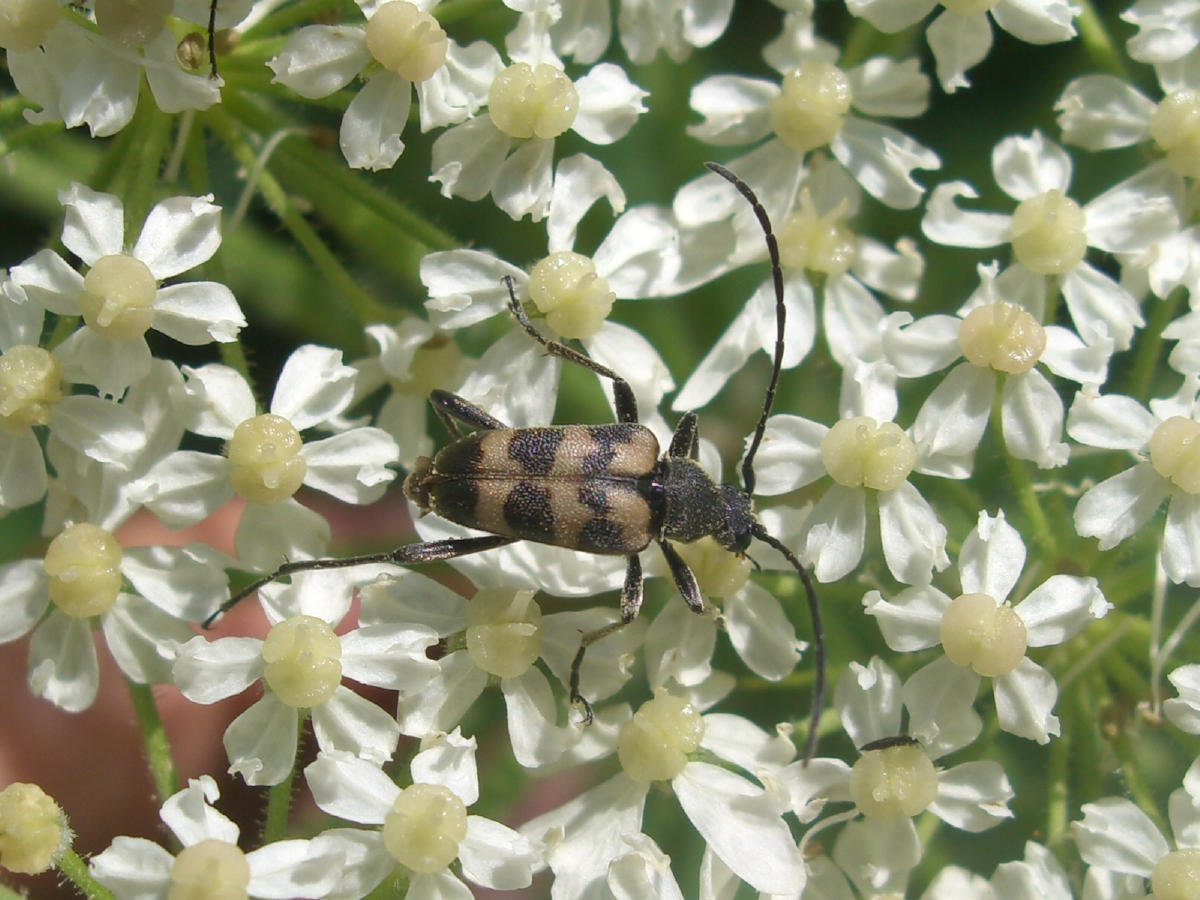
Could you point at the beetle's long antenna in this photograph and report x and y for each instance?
(780, 317)
(818, 700)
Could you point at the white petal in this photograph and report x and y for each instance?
(373, 122)
(533, 720)
(352, 466)
(891, 88)
(1101, 112)
(439, 704)
(1100, 307)
(187, 582)
(110, 365)
(945, 223)
(219, 399)
(266, 536)
(790, 455)
(1024, 698)
(467, 158)
(952, 420)
(837, 529)
(99, 429)
(198, 312)
(738, 740)
(495, 856)
(392, 656)
(295, 868)
(1117, 507)
(143, 639)
(991, 557)
(879, 857)
(356, 725)
(1184, 711)
(1114, 422)
(319, 59)
(958, 43)
(94, 224)
(459, 87)
(1027, 166)
(940, 700)
(190, 815)
(914, 541)
(973, 796)
(679, 646)
(1117, 835)
(882, 159)
(640, 255)
(912, 619)
(186, 487)
(207, 671)
(1059, 608)
(62, 662)
(1137, 212)
(891, 15)
(132, 868)
(180, 233)
(645, 871)
(1181, 540)
(734, 109)
(609, 104)
(579, 182)
(47, 280)
(761, 633)
(22, 469)
(24, 584)
(449, 760)
(523, 184)
(350, 788)
(1069, 357)
(868, 702)
(739, 822)
(465, 286)
(1032, 416)
(261, 742)
(1036, 21)
(313, 386)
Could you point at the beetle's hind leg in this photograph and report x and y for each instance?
(631, 602)
(623, 398)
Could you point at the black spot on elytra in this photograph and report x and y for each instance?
(455, 498)
(594, 498)
(601, 535)
(461, 457)
(606, 437)
(535, 448)
(527, 512)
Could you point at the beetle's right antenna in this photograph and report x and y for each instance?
(780, 317)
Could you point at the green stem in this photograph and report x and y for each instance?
(1145, 363)
(138, 195)
(1125, 747)
(279, 800)
(154, 737)
(1022, 484)
(291, 15)
(1056, 805)
(1098, 42)
(76, 871)
(343, 288)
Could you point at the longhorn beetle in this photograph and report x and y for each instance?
(598, 488)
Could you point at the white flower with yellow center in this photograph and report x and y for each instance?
(266, 459)
(420, 829)
(1164, 442)
(813, 105)
(509, 152)
(860, 453)
(210, 863)
(985, 634)
(92, 76)
(998, 346)
(78, 586)
(496, 638)
(401, 48)
(961, 35)
(663, 744)
(1116, 837)
(894, 778)
(1049, 233)
(301, 664)
(119, 299)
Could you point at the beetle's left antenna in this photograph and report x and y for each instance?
(780, 317)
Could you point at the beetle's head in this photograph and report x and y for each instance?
(739, 519)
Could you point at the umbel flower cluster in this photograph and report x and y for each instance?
(246, 241)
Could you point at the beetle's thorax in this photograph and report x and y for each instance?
(693, 506)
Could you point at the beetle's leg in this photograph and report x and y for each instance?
(683, 441)
(212, 39)
(685, 579)
(410, 554)
(622, 393)
(452, 410)
(631, 602)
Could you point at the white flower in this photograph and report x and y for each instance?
(961, 35)
(78, 76)
(739, 821)
(401, 47)
(1002, 343)
(860, 453)
(301, 664)
(816, 245)
(79, 581)
(137, 869)
(984, 635)
(895, 777)
(267, 461)
(1158, 438)
(1050, 233)
(1117, 837)
(809, 110)
(119, 298)
(509, 152)
(423, 827)
(34, 395)
(497, 637)
(1184, 710)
